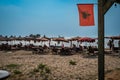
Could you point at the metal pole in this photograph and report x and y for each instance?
(100, 40)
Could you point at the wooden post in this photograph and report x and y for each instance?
(100, 40)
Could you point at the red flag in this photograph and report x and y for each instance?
(86, 14)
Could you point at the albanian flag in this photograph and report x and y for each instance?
(86, 14)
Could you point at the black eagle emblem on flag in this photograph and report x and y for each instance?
(85, 15)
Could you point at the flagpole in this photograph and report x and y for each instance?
(100, 40)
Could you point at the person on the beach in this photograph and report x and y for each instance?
(62, 45)
(110, 44)
(81, 47)
(55, 44)
(74, 47)
(119, 44)
(45, 46)
(119, 47)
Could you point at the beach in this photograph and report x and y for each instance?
(60, 67)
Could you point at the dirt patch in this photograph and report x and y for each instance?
(23, 65)
(113, 75)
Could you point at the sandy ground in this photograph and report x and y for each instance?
(86, 68)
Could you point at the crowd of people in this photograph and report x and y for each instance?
(113, 48)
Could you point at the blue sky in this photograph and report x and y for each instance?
(52, 18)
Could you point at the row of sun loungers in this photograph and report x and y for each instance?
(52, 49)
(58, 50)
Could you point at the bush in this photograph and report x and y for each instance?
(17, 72)
(47, 70)
(12, 65)
(43, 70)
(35, 70)
(41, 66)
(72, 62)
